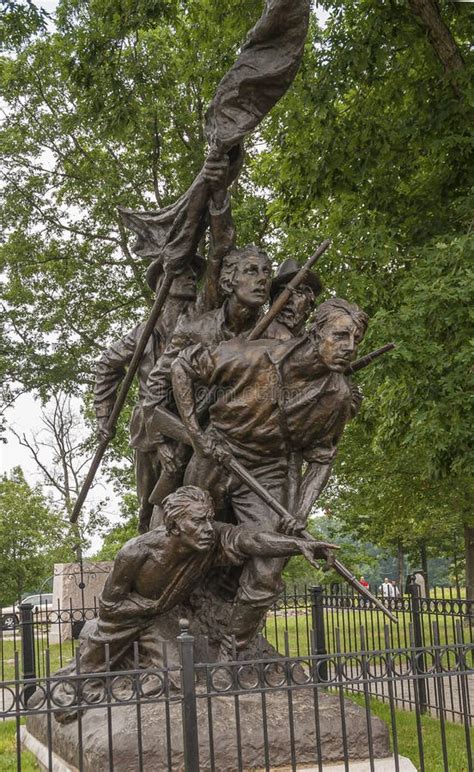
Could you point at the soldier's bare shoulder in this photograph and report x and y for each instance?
(138, 547)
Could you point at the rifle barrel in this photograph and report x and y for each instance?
(359, 364)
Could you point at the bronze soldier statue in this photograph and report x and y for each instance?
(114, 360)
(297, 309)
(155, 571)
(243, 278)
(273, 398)
(293, 317)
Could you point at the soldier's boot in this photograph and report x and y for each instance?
(243, 626)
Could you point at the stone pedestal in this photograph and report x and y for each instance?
(67, 581)
(69, 594)
(152, 723)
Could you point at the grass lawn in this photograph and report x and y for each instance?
(348, 623)
(8, 751)
(408, 742)
(7, 657)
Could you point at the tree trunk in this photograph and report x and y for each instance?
(424, 567)
(456, 574)
(438, 33)
(401, 568)
(469, 550)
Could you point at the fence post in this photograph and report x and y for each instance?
(27, 648)
(417, 621)
(189, 706)
(319, 631)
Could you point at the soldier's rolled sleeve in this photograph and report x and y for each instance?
(228, 546)
(110, 370)
(320, 454)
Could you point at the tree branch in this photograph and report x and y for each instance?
(439, 35)
(156, 159)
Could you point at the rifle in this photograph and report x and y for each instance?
(173, 427)
(359, 364)
(160, 298)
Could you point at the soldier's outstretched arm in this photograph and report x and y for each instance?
(270, 544)
(194, 364)
(183, 379)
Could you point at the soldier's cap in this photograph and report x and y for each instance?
(287, 270)
(155, 269)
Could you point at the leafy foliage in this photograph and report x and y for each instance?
(32, 537)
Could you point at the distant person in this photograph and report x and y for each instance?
(364, 582)
(419, 579)
(395, 590)
(386, 588)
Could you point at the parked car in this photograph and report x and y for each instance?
(42, 603)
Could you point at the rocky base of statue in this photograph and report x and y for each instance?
(208, 615)
(254, 746)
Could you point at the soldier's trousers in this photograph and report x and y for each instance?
(147, 470)
(260, 581)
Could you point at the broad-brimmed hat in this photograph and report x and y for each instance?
(155, 269)
(287, 270)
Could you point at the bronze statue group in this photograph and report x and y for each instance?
(235, 432)
(278, 405)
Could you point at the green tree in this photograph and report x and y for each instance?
(32, 537)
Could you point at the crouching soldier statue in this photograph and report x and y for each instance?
(155, 571)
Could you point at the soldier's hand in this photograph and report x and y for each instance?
(166, 453)
(210, 447)
(203, 444)
(215, 172)
(103, 432)
(319, 550)
(356, 398)
(290, 526)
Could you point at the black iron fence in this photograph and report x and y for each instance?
(337, 619)
(247, 714)
(298, 611)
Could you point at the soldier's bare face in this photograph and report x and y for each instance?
(338, 343)
(297, 308)
(251, 282)
(195, 529)
(184, 285)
